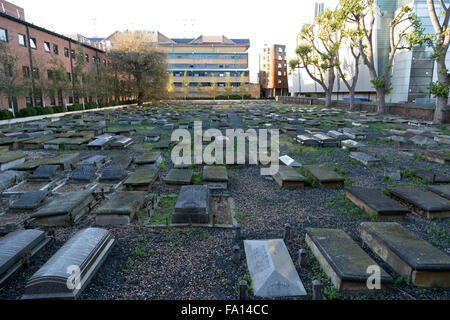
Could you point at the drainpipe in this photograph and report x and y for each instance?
(33, 95)
(71, 69)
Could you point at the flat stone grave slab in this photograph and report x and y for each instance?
(113, 173)
(65, 210)
(36, 143)
(288, 177)
(438, 157)
(121, 142)
(11, 159)
(442, 139)
(423, 141)
(425, 203)
(364, 158)
(325, 141)
(99, 144)
(179, 177)
(142, 178)
(149, 158)
(97, 161)
(152, 137)
(325, 176)
(410, 256)
(44, 173)
(337, 135)
(215, 174)
(351, 145)
(431, 177)
(9, 178)
(376, 203)
(193, 206)
(307, 141)
(343, 260)
(120, 208)
(441, 190)
(87, 249)
(29, 201)
(123, 160)
(271, 268)
(288, 161)
(15, 247)
(83, 173)
(65, 161)
(163, 144)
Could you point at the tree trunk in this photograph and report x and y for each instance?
(329, 94)
(352, 100)
(441, 102)
(381, 99)
(140, 101)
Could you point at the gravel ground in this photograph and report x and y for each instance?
(186, 264)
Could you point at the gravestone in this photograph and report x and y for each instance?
(351, 145)
(325, 141)
(307, 141)
(271, 268)
(288, 161)
(142, 178)
(113, 173)
(87, 250)
(325, 176)
(149, 158)
(423, 141)
(428, 204)
(99, 144)
(398, 139)
(9, 178)
(29, 201)
(289, 177)
(152, 137)
(122, 160)
(442, 139)
(163, 144)
(65, 161)
(376, 202)
(44, 173)
(17, 248)
(337, 135)
(215, 174)
(11, 159)
(120, 209)
(343, 260)
(435, 156)
(431, 177)
(65, 210)
(441, 190)
(179, 177)
(364, 158)
(193, 205)
(83, 173)
(120, 142)
(97, 160)
(410, 256)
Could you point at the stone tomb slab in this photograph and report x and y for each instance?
(271, 268)
(9, 178)
(97, 160)
(376, 203)
(288, 161)
(425, 203)
(193, 205)
(325, 176)
(66, 161)
(87, 249)
(410, 256)
(431, 177)
(83, 173)
(142, 178)
(15, 246)
(343, 260)
(307, 141)
(179, 177)
(66, 210)
(29, 201)
(44, 173)
(441, 190)
(122, 160)
(215, 174)
(11, 159)
(364, 158)
(149, 158)
(120, 208)
(113, 174)
(437, 157)
(288, 177)
(325, 141)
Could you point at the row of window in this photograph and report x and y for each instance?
(207, 66)
(210, 74)
(47, 46)
(206, 56)
(208, 84)
(36, 73)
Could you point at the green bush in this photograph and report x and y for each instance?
(5, 114)
(75, 107)
(27, 112)
(59, 109)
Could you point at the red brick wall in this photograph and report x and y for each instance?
(12, 10)
(40, 57)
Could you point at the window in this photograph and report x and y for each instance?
(73, 55)
(52, 101)
(36, 73)
(26, 72)
(177, 84)
(22, 40)
(66, 52)
(33, 43)
(87, 58)
(3, 35)
(55, 49)
(47, 46)
(29, 99)
(69, 76)
(50, 74)
(279, 73)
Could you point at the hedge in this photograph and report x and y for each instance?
(5, 114)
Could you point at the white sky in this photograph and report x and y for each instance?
(261, 21)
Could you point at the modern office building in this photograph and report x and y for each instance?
(205, 66)
(273, 71)
(412, 70)
(34, 48)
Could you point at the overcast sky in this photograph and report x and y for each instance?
(261, 21)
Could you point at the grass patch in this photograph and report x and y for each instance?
(197, 179)
(343, 206)
(163, 211)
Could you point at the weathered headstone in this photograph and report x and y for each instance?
(112, 173)
(97, 160)
(409, 255)
(120, 209)
(142, 178)
(431, 177)
(11, 159)
(364, 158)
(288, 161)
(307, 141)
(325, 176)
(70, 269)
(9, 178)
(149, 158)
(193, 205)
(289, 177)
(441, 190)
(44, 173)
(179, 177)
(272, 270)
(29, 201)
(83, 173)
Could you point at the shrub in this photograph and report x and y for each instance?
(75, 107)
(5, 114)
(27, 112)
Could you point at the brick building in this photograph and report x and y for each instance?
(12, 10)
(273, 75)
(34, 48)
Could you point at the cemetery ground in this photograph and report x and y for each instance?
(153, 259)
